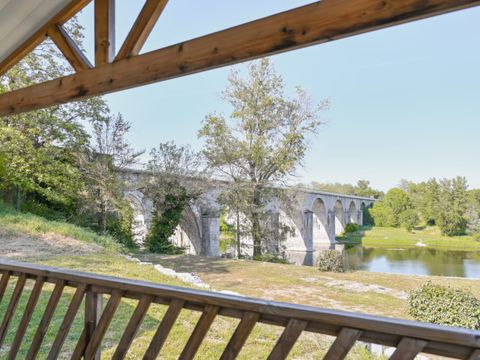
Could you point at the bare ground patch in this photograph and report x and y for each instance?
(20, 246)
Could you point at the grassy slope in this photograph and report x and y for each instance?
(431, 236)
(107, 260)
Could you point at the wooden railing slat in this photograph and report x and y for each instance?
(93, 311)
(4, 283)
(67, 322)
(132, 327)
(12, 305)
(408, 348)
(475, 355)
(198, 334)
(45, 322)
(164, 329)
(343, 343)
(103, 324)
(288, 338)
(240, 335)
(27, 316)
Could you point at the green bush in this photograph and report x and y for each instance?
(272, 258)
(409, 219)
(164, 225)
(351, 228)
(331, 260)
(442, 305)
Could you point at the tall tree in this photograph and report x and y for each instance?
(452, 205)
(263, 141)
(108, 154)
(41, 147)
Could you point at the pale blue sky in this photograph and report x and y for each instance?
(405, 100)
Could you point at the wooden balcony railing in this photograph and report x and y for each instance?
(408, 337)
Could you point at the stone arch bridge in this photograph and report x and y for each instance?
(314, 218)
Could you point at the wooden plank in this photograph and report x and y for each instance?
(164, 329)
(27, 316)
(104, 31)
(408, 349)
(93, 312)
(287, 339)
(475, 355)
(33, 41)
(101, 329)
(4, 283)
(132, 327)
(199, 333)
(240, 335)
(69, 48)
(67, 322)
(142, 28)
(45, 322)
(12, 305)
(312, 24)
(342, 344)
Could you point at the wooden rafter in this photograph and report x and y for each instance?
(33, 41)
(104, 31)
(144, 24)
(69, 48)
(316, 23)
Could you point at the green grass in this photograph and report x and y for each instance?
(430, 236)
(107, 260)
(16, 222)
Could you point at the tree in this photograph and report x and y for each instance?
(452, 205)
(424, 198)
(388, 212)
(41, 147)
(177, 178)
(261, 144)
(108, 154)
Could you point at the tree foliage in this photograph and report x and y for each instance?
(177, 177)
(261, 143)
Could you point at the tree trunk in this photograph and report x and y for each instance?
(239, 246)
(103, 218)
(256, 223)
(17, 198)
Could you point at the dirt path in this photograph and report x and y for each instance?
(24, 247)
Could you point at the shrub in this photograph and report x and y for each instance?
(476, 237)
(272, 258)
(331, 260)
(351, 228)
(409, 219)
(445, 306)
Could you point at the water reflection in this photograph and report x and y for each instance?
(416, 261)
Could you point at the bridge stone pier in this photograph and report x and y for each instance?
(310, 220)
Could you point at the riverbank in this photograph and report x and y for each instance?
(360, 291)
(422, 236)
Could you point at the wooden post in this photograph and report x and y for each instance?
(93, 311)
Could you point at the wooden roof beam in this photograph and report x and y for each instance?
(308, 25)
(39, 36)
(142, 28)
(104, 31)
(69, 48)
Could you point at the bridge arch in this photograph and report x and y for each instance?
(141, 216)
(188, 234)
(352, 212)
(320, 222)
(339, 213)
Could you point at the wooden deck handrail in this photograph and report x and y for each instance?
(408, 337)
